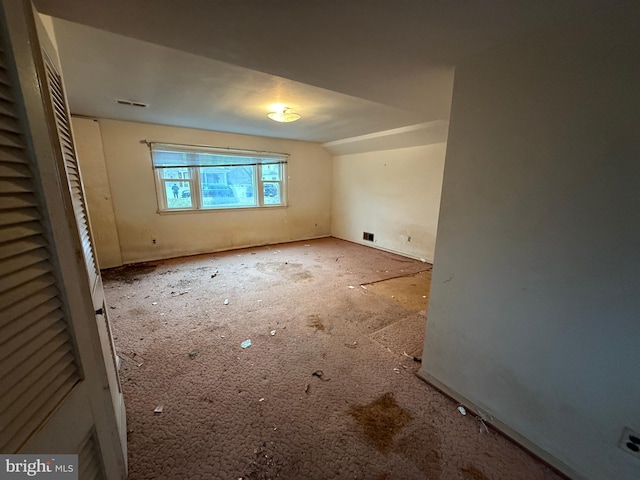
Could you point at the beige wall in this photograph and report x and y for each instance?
(534, 300)
(131, 179)
(394, 194)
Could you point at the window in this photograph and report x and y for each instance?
(203, 178)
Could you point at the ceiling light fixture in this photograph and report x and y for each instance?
(283, 114)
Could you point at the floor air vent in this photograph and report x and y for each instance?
(367, 236)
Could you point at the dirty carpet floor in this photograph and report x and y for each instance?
(325, 391)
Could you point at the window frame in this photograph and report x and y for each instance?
(187, 156)
(282, 185)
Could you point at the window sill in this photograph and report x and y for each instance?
(218, 210)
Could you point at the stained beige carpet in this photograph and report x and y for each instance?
(323, 392)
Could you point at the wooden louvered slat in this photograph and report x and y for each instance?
(6, 109)
(91, 263)
(19, 215)
(11, 249)
(12, 154)
(67, 150)
(5, 92)
(22, 378)
(85, 234)
(10, 139)
(14, 185)
(56, 97)
(89, 460)
(76, 195)
(22, 307)
(84, 227)
(37, 335)
(55, 84)
(92, 473)
(55, 87)
(10, 233)
(29, 317)
(86, 241)
(57, 348)
(67, 146)
(21, 262)
(20, 200)
(71, 167)
(15, 279)
(56, 94)
(65, 133)
(4, 78)
(9, 124)
(8, 298)
(60, 118)
(74, 180)
(30, 417)
(14, 170)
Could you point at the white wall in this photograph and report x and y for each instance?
(534, 299)
(132, 186)
(394, 194)
(97, 190)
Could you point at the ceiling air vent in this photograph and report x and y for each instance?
(131, 103)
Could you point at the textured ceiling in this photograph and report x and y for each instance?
(380, 64)
(188, 90)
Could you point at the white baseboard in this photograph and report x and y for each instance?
(501, 427)
(158, 258)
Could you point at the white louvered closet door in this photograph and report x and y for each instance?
(67, 146)
(54, 89)
(57, 390)
(38, 365)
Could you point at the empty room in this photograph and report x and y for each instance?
(310, 240)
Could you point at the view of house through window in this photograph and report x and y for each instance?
(202, 178)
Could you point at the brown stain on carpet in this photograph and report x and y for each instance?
(381, 420)
(472, 473)
(128, 273)
(315, 322)
(291, 270)
(301, 276)
(423, 449)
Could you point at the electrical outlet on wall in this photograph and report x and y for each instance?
(153, 241)
(630, 442)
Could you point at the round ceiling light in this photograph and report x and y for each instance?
(284, 115)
